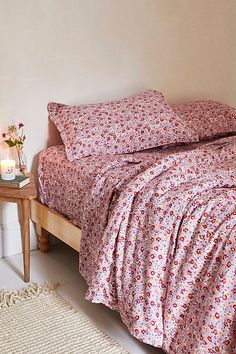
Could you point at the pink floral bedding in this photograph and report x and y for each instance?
(65, 186)
(159, 240)
(133, 123)
(207, 118)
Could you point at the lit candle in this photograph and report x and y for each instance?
(8, 170)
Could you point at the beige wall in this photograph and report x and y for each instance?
(89, 50)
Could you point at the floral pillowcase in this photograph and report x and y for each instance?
(131, 124)
(208, 118)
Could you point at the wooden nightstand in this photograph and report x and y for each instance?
(22, 197)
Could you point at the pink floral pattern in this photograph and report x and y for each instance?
(208, 118)
(159, 238)
(130, 124)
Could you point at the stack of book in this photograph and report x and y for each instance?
(18, 182)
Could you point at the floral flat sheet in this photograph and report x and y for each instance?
(159, 244)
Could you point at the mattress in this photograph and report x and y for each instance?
(64, 186)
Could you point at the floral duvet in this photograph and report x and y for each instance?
(159, 245)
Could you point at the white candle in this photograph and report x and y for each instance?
(8, 170)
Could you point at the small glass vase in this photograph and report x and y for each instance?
(21, 162)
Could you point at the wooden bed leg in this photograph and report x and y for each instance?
(43, 239)
(48, 221)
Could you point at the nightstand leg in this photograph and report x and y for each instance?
(26, 238)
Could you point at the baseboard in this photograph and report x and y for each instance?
(10, 239)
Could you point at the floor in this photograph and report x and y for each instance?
(61, 265)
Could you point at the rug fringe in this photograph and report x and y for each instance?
(11, 297)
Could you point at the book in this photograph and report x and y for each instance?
(18, 182)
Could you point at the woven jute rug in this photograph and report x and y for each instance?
(38, 320)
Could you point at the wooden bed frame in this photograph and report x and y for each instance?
(50, 222)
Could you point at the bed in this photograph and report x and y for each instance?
(159, 233)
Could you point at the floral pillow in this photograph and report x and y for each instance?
(208, 118)
(131, 124)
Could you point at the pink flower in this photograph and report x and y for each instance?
(20, 125)
(4, 135)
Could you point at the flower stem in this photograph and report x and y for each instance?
(21, 166)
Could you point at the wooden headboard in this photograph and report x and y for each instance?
(54, 137)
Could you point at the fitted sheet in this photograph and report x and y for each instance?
(64, 186)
